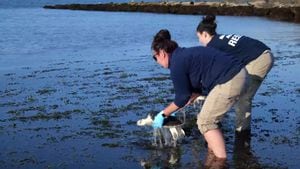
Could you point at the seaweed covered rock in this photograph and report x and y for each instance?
(288, 12)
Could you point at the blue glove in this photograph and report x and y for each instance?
(158, 120)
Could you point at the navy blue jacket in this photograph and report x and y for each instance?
(200, 69)
(243, 47)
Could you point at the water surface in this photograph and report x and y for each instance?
(74, 83)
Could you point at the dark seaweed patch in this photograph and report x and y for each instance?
(44, 116)
(163, 78)
(111, 145)
(47, 90)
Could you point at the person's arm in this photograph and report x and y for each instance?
(182, 89)
(170, 109)
(182, 86)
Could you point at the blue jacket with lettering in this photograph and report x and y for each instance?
(243, 47)
(200, 69)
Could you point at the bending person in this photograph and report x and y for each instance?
(255, 55)
(199, 69)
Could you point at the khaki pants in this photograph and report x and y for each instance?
(219, 100)
(257, 70)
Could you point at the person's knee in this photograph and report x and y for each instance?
(205, 126)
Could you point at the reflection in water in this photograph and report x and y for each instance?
(171, 157)
(163, 158)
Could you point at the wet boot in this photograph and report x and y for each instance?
(242, 140)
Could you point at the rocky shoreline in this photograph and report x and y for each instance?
(290, 13)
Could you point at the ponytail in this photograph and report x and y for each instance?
(162, 40)
(162, 34)
(208, 24)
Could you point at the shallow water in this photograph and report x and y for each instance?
(74, 83)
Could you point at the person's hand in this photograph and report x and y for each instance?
(158, 120)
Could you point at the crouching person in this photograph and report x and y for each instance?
(220, 76)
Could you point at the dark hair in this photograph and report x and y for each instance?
(162, 40)
(162, 34)
(208, 25)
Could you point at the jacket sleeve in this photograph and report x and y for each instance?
(182, 86)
